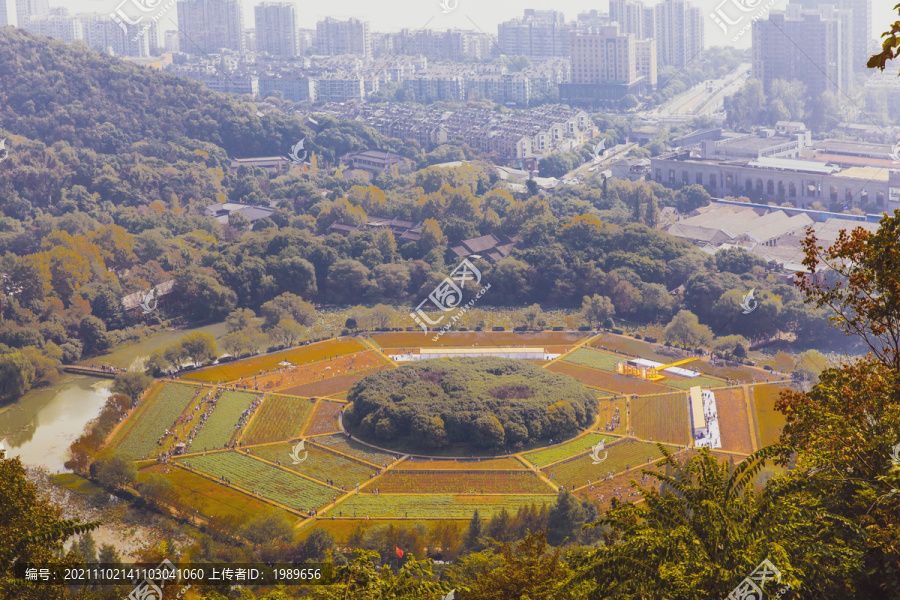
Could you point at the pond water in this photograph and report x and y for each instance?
(41, 425)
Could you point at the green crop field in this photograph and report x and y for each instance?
(685, 384)
(466, 464)
(220, 426)
(596, 359)
(662, 418)
(568, 449)
(437, 505)
(193, 492)
(319, 464)
(149, 421)
(271, 482)
(623, 455)
(341, 444)
(279, 418)
(460, 482)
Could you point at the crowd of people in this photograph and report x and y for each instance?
(210, 401)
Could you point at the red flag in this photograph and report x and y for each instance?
(399, 552)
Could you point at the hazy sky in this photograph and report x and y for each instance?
(392, 15)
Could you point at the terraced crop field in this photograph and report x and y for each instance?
(415, 339)
(568, 449)
(268, 362)
(437, 505)
(686, 384)
(324, 418)
(464, 464)
(733, 420)
(461, 482)
(333, 385)
(319, 464)
(211, 499)
(340, 443)
(610, 342)
(662, 418)
(278, 418)
(149, 421)
(596, 359)
(770, 421)
(220, 426)
(622, 456)
(604, 380)
(271, 482)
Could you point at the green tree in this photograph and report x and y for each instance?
(685, 329)
(31, 529)
(92, 333)
(288, 306)
(156, 490)
(383, 316)
(131, 385)
(287, 332)
(472, 538)
(532, 315)
(199, 347)
(16, 375)
(114, 470)
(241, 318)
(596, 309)
(565, 519)
(87, 547)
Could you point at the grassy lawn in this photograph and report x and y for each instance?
(341, 444)
(621, 457)
(319, 464)
(461, 482)
(595, 359)
(684, 383)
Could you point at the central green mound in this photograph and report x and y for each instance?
(477, 403)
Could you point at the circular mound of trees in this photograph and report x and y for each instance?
(478, 403)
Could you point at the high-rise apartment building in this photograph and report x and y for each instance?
(334, 37)
(276, 28)
(678, 32)
(209, 26)
(59, 27)
(861, 25)
(818, 64)
(30, 8)
(607, 56)
(540, 34)
(7, 12)
(629, 14)
(105, 35)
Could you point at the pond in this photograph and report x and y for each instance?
(41, 425)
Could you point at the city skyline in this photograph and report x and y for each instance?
(415, 14)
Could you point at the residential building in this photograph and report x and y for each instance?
(335, 37)
(861, 27)
(105, 35)
(294, 87)
(8, 13)
(30, 8)
(276, 28)
(340, 87)
(679, 29)
(377, 161)
(491, 247)
(210, 26)
(819, 63)
(540, 34)
(64, 28)
(608, 65)
(629, 14)
(404, 231)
